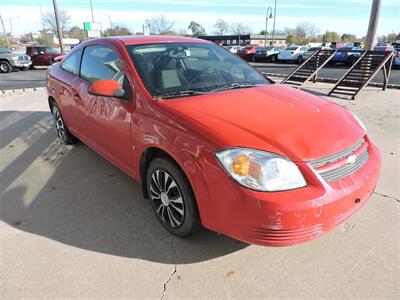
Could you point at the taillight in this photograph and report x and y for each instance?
(387, 49)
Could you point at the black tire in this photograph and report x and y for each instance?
(253, 59)
(299, 59)
(32, 67)
(24, 69)
(182, 217)
(273, 58)
(5, 67)
(352, 60)
(63, 134)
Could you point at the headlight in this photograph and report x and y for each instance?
(360, 122)
(260, 170)
(14, 58)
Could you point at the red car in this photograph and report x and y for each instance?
(247, 52)
(42, 55)
(212, 141)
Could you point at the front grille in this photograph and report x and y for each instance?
(23, 58)
(344, 169)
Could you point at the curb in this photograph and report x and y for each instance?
(333, 80)
(22, 91)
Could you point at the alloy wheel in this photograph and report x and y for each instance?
(4, 68)
(167, 198)
(59, 124)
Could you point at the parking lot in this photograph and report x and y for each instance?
(73, 225)
(36, 78)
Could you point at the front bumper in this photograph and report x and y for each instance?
(290, 217)
(21, 64)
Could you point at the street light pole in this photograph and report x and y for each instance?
(373, 24)
(59, 29)
(91, 9)
(11, 25)
(269, 16)
(273, 30)
(4, 30)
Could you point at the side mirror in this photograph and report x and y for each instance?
(106, 88)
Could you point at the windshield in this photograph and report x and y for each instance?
(4, 50)
(292, 48)
(51, 50)
(196, 68)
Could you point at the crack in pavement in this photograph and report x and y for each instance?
(173, 272)
(387, 196)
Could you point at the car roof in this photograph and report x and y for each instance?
(141, 39)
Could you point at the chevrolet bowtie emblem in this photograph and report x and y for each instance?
(351, 159)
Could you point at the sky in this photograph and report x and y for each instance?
(343, 16)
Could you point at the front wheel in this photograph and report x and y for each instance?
(5, 67)
(172, 198)
(63, 134)
(273, 58)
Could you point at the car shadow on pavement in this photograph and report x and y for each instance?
(71, 195)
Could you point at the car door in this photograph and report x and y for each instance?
(39, 56)
(105, 122)
(69, 70)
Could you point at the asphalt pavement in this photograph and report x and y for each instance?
(36, 78)
(74, 226)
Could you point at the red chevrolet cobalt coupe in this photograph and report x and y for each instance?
(212, 141)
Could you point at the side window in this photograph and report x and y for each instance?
(101, 63)
(37, 50)
(71, 63)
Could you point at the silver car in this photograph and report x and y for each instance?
(10, 61)
(293, 53)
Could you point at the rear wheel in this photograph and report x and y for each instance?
(352, 60)
(63, 134)
(300, 59)
(273, 58)
(5, 67)
(172, 198)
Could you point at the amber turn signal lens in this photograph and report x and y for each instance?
(240, 165)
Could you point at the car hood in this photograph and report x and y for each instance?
(274, 118)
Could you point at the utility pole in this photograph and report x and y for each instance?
(59, 29)
(269, 16)
(91, 9)
(373, 24)
(273, 30)
(4, 30)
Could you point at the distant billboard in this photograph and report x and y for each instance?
(95, 26)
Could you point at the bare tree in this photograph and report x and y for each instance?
(239, 28)
(161, 25)
(305, 32)
(221, 27)
(49, 21)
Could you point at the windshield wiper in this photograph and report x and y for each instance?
(234, 86)
(178, 94)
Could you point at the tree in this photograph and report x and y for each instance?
(161, 25)
(49, 21)
(221, 27)
(305, 32)
(239, 28)
(77, 33)
(348, 38)
(196, 29)
(392, 37)
(117, 30)
(330, 36)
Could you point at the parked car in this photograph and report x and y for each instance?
(10, 61)
(310, 52)
(396, 60)
(347, 55)
(215, 144)
(234, 49)
(293, 53)
(42, 55)
(247, 52)
(268, 53)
